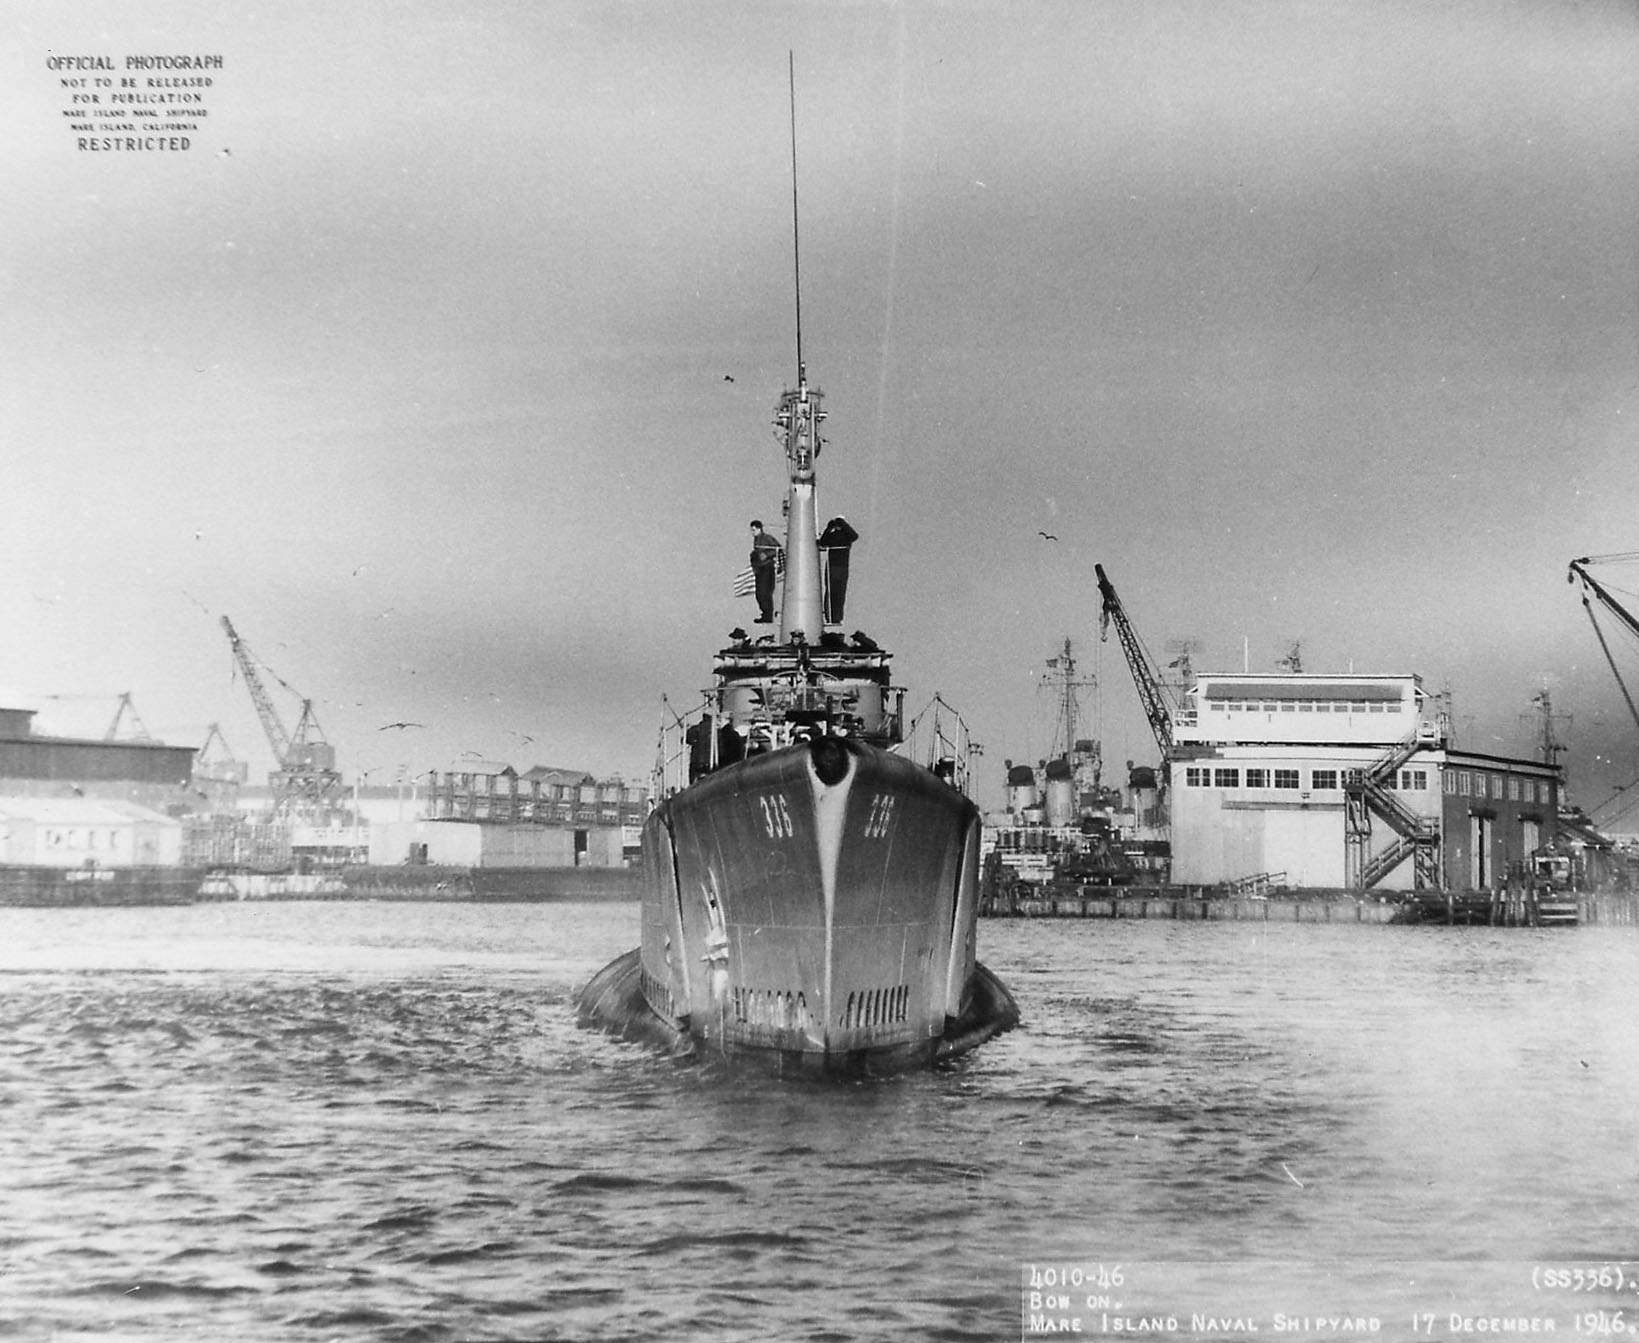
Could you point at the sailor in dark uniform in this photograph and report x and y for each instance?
(765, 551)
(834, 543)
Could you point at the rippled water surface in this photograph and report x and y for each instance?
(379, 1121)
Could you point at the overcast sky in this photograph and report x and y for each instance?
(1312, 322)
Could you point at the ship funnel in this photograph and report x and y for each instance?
(1021, 789)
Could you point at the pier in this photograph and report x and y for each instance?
(1521, 909)
(1195, 903)
(1499, 909)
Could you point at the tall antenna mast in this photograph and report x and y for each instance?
(796, 251)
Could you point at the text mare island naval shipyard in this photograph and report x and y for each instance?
(810, 897)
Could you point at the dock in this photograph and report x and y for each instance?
(1522, 909)
(1152, 902)
(1499, 909)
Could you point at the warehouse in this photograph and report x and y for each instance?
(145, 772)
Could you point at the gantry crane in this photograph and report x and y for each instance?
(217, 768)
(306, 781)
(139, 729)
(1592, 585)
(1144, 674)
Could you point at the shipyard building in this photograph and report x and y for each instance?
(112, 805)
(492, 815)
(67, 802)
(1344, 781)
(83, 819)
(486, 815)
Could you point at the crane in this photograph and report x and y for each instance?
(1144, 675)
(139, 729)
(217, 768)
(306, 779)
(1592, 585)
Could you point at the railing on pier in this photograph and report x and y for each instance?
(1259, 883)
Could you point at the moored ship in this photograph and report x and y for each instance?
(810, 894)
(1063, 831)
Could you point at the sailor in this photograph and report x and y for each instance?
(834, 543)
(765, 552)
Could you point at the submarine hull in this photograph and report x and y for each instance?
(813, 907)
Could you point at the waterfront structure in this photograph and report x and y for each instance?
(1344, 781)
(510, 844)
(86, 833)
(544, 795)
(92, 821)
(147, 773)
(485, 815)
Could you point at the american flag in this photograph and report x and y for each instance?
(745, 582)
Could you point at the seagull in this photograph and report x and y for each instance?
(1047, 536)
(386, 726)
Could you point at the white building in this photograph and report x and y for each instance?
(85, 832)
(1345, 781)
(456, 843)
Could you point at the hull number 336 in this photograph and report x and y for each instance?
(880, 820)
(776, 817)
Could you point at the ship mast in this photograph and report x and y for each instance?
(797, 418)
(1061, 675)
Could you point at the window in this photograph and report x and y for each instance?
(1286, 778)
(1496, 786)
(1513, 789)
(1464, 782)
(1307, 706)
(1323, 706)
(1354, 776)
(1450, 781)
(1234, 706)
(1269, 706)
(1323, 778)
(1543, 793)
(1226, 778)
(1195, 777)
(1288, 707)
(1414, 780)
(1257, 778)
(1375, 706)
(1357, 706)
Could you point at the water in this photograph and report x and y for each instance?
(373, 1121)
